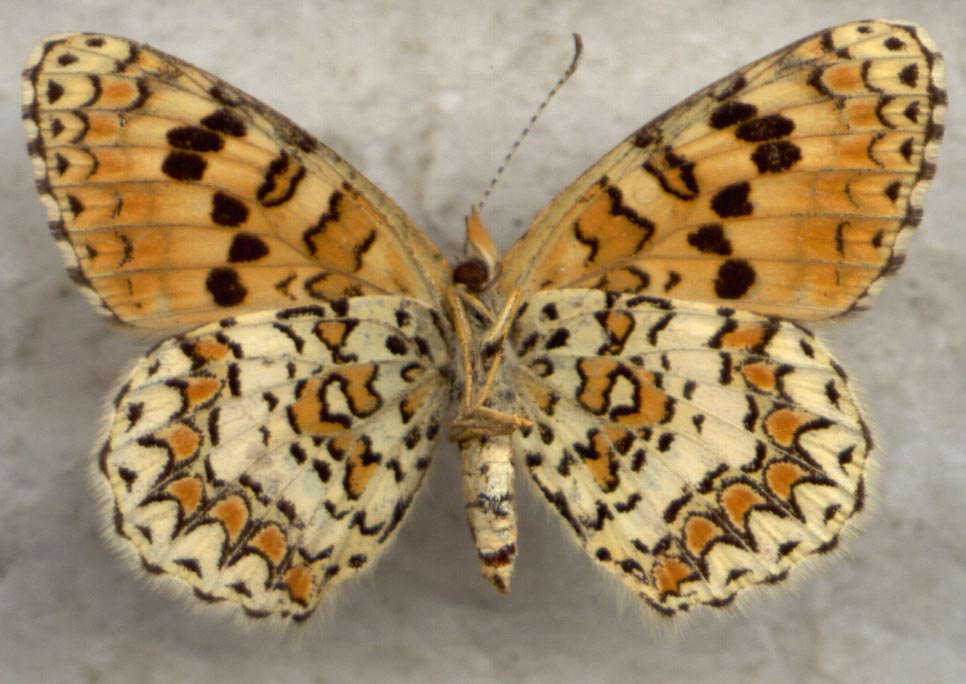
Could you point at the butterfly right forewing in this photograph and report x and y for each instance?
(788, 188)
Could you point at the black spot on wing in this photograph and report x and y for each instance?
(911, 111)
(195, 139)
(909, 75)
(557, 339)
(893, 190)
(765, 128)
(246, 247)
(225, 121)
(54, 91)
(735, 277)
(225, 286)
(184, 166)
(227, 211)
(710, 239)
(731, 113)
(732, 200)
(775, 157)
(396, 345)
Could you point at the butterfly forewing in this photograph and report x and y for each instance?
(693, 451)
(787, 188)
(179, 200)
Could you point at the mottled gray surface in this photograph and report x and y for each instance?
(424, 97)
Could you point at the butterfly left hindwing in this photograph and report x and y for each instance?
(265, 459)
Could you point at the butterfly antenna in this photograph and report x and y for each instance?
(578, 51)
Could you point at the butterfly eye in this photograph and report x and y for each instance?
(473, 273)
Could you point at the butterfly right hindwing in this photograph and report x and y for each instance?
(692, 451)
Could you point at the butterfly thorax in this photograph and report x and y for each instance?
(482, 318)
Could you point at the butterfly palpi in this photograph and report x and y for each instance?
(640, 353)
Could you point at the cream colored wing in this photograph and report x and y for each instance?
(265, 459)
(179, 200)
(693, 451)
(788, 188)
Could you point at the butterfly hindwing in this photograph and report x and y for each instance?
(787, 188)
(693, 451)
(267, 458)
(179, 200)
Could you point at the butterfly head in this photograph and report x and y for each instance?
(481, 261)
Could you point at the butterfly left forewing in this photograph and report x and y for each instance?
(178, 200)
(693, 452)
(788, 188)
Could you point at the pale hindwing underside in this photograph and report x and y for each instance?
(787, 188)
(179, 200)
(265, 459)
(693, 451)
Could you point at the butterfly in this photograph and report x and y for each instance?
(640, 353)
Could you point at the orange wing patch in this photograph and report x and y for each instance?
(232, 512)
(626, 394)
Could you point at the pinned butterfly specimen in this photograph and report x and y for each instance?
(640, 353)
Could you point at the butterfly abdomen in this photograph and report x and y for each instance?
(490, 508)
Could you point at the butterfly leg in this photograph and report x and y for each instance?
(464, 336)
(494, 342)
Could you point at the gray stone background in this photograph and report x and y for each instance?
(424, 97)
